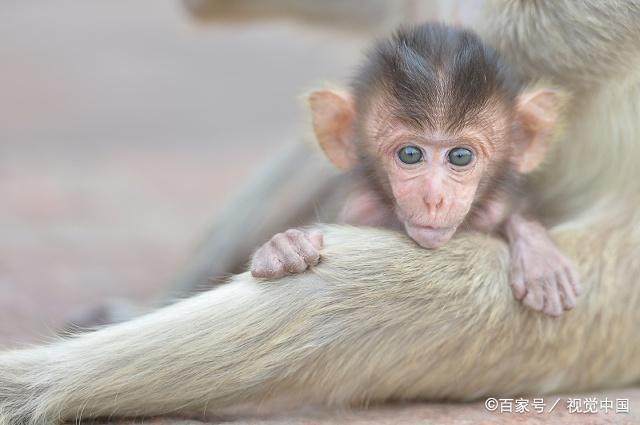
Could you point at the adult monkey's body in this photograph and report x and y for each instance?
(381, 318)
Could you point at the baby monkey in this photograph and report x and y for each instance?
(440, 133)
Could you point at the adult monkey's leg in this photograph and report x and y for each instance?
(380, 318)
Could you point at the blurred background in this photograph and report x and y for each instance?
(126, 126)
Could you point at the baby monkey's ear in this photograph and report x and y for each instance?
(333, 118)
(537, 111)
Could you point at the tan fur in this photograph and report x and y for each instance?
(381, 318)
(590, 49)
(341, 335)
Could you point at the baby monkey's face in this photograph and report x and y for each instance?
(433, 168)
(433, 178)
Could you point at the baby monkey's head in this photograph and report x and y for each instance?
(439, 122)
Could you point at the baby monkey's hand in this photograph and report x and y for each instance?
(542, 277)
(289, 252)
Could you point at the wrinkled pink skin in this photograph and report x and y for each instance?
(289, 252)
(541, 277)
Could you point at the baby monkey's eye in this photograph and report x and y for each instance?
(410, 154)
(460, 156)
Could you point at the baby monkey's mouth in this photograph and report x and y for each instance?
(429, 236)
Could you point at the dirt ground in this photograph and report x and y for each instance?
(123, 129)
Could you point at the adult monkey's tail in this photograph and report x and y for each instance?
(338, 335)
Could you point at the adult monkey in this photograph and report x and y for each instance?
(343, 334)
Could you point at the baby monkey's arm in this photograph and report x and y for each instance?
(541, 276)
(296, 250)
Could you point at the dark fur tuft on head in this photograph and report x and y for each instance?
(435, 75)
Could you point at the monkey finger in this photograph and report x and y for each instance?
(258, 265)
(275, 267)
(552, 305)
(304, 248)
(258, 271)
(316, 238)
(294, 234)
(534, 299)
(518, 287)
(567, 295)
(265, 266)
(291, 261)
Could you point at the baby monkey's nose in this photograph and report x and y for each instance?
(434, 201)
